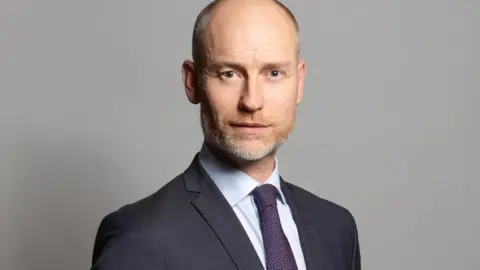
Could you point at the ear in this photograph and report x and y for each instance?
(189, 76)
(301, 73)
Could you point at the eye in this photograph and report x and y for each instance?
(275, 74)
(227, 74)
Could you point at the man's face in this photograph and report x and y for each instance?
(251, 84)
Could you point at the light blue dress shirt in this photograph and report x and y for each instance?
(236, 186)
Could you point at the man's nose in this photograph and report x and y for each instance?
(252, 96)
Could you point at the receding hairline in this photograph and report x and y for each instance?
(203, 18)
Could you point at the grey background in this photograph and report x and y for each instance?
(93, 116)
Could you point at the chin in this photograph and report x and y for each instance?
(250, 150)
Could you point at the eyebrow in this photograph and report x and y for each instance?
(237, 66)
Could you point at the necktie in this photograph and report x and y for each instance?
(279, 255)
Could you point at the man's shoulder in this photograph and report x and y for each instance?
(151, 209)
(137, 223)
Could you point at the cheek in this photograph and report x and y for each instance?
(282, 101)
(222, 101)
(282, 92)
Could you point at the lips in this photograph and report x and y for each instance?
(249, 128)
(249, 125)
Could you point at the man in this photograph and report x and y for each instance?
(230, 209)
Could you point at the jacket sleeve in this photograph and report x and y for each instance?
(356, 257)
(106, 231)
(120, 247)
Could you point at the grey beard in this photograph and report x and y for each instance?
(227, 145)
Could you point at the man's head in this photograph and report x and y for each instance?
(246, 75)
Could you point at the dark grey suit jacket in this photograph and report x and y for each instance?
(189, 225)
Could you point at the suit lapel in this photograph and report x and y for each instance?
(216, 211)
(314, 252)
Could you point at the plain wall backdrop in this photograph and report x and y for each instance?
(93, 115)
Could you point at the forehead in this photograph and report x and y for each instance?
(258, 33)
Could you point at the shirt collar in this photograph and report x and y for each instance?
(234, 184)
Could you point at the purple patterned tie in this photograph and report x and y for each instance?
(279, 255)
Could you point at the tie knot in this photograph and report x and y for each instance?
(266, 195)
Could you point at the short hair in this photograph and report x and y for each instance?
(203, 18)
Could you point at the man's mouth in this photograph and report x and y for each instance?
(249, 127)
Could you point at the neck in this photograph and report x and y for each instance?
(260, 170)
